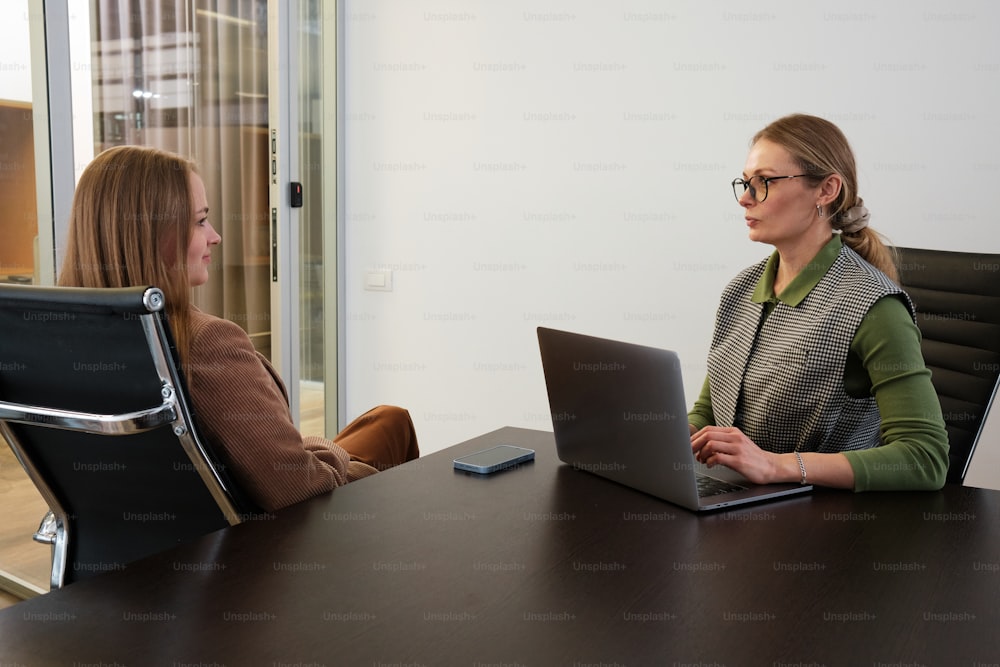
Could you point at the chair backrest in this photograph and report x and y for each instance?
(957, 297)
(93, 405)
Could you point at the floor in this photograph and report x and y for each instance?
(29, 561)
(24, 508)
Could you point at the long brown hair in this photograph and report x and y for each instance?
(820, 149)
(130, 225)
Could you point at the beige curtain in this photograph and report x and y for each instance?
(190, 76)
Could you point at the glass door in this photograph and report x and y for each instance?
(25, 258)
(19, 224)
(303, 206)
(210, 81)
(183, 76)
(315, 124)
(241, 91)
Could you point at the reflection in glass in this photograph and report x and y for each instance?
(182, 76)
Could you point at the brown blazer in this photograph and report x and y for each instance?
(241, 406)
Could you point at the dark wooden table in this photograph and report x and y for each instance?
(545, 565)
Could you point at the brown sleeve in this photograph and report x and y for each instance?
(240, 406)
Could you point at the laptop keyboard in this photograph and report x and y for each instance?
(710, 486)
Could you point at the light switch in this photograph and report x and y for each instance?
(380, 281)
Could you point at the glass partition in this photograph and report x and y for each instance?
(317, 289)
(19, 223)
(189, 76)
(24, 564)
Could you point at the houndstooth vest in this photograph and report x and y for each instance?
(790, 369)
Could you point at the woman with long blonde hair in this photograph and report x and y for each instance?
(140, 217)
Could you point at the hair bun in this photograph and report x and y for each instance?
(855, 218)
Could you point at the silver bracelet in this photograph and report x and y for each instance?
(802, 468)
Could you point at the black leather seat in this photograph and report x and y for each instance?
(957, 297)
(93, 405)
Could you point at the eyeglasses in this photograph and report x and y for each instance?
(757, 185)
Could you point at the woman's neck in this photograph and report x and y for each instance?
(792, 258)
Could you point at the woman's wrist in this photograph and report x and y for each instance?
(802, 469)
(829, 470)
(787, 469)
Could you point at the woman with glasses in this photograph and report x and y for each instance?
(140, 217)
(815, 373)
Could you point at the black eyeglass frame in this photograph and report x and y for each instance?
(766, 180)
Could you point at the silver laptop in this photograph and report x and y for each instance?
(618, 411)
(981, 463)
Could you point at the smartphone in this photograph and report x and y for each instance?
(494, 459)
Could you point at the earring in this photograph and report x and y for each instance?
(819, 210)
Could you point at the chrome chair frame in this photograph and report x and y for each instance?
(172, 412)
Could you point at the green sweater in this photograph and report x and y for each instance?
(884, 362)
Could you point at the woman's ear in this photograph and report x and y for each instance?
(829, 189)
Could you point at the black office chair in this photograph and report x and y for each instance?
(957, 297)
(93, 406)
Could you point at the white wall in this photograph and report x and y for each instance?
(537, 162)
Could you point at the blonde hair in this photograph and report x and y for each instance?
(130, 225)
(821, 149)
